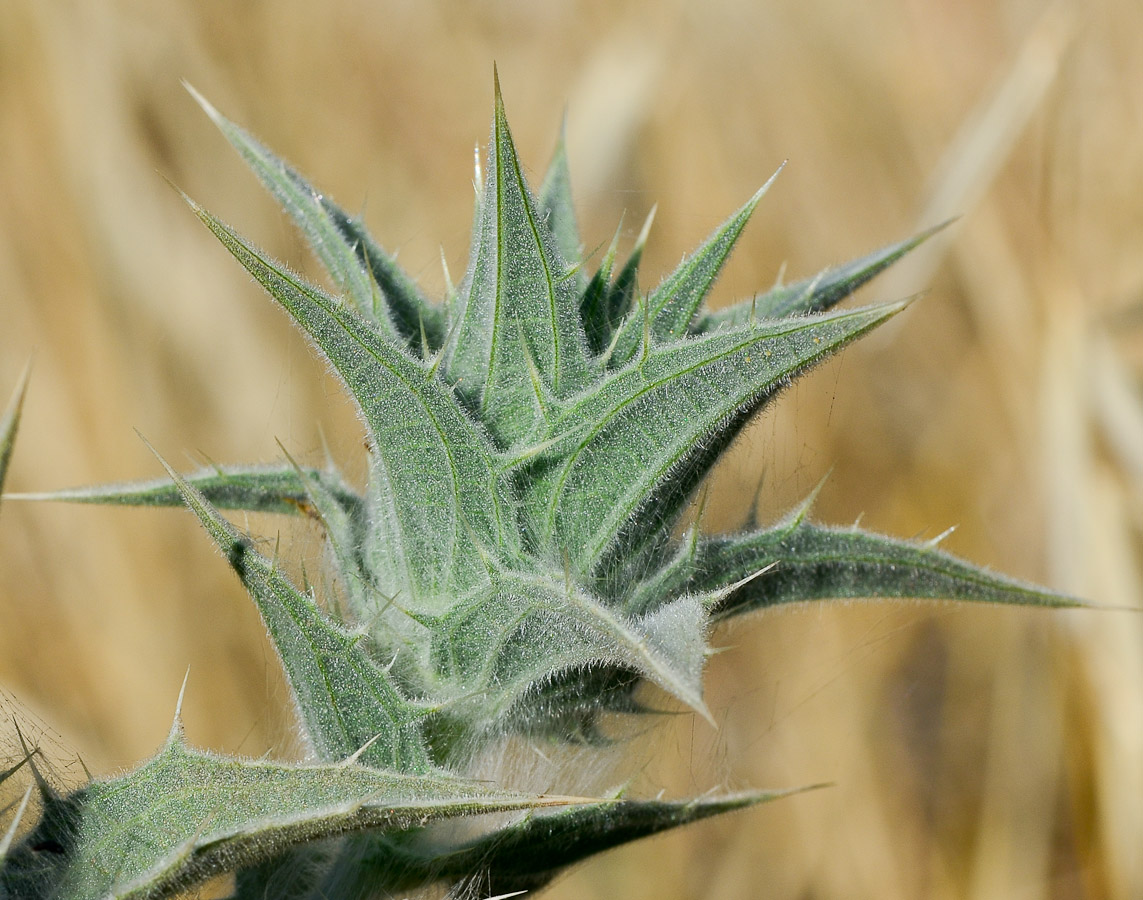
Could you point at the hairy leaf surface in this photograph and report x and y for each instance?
(304, 205)
(420, 322)
(187, 815)
(618, 300)
(672, 306)
(816, 294)
(269, 489)
(815, 563)
(518, 310)
(616, 446)
(348, 703)
(522, 856)
(555, 201)
(438, 484)
(508, 641)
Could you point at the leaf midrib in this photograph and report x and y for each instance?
(498, 164)
(605, 420)
(336, 312)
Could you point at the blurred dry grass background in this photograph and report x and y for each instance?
(978, 753)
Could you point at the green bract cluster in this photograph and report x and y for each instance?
(512, 568)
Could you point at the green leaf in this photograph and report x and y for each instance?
(815, 294)
(672, 306)
(527, 855)
(10, 423)
(268, 489)
(435, 485)
(411, 312)
(370, 277)
(605, 307)
(522, 856)
(570, 707)
(186, 815)
(498, 647)
(348, 703)
(555, 202)
(304, 205)
(627, 456)
(626, 286)
(594, 304)
(667, 580)
(345, 528)
(518, 309)
(811, 562)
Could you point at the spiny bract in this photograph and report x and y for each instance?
(512, 567)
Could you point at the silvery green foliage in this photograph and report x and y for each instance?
(512, 567)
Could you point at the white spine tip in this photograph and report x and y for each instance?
(177, 723)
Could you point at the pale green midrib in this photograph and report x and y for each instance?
(679, 278)
(151, 813)
(494, 343)
(331, 688)
(233, 242)
(316, 651)
(668, 289)
(500, 279)
(224, 532)
(553, 308)
(496, 648)
(595, 615)
(602, 422)
(928, 562)
(335, 312)
(177, 799)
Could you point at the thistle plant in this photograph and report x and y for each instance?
(515, 568)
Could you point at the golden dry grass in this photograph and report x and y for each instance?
(977, 753)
